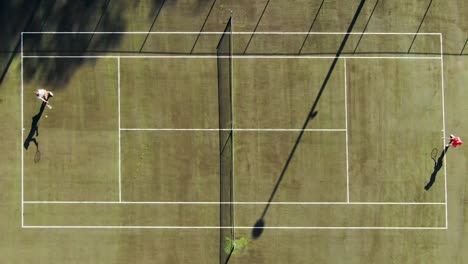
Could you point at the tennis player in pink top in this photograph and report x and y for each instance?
(455, 141)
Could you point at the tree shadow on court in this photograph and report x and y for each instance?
(34, 131)
(437, 166)
(70, 16)
(258, 227)
(84, 15)
(15, 16)
(18, 16)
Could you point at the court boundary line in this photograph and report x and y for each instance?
(239, 227)
(444, 127)
(245, 203)
(233, 57)
(22, 137)
(233, 33)
(120, 149)
(239, 129)
(346, 125)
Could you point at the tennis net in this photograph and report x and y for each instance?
(226, 148)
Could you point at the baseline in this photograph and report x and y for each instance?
(218, 203)
(233, 57)
(444, 128)
(239, 129)
(234, 33)
(241, 227)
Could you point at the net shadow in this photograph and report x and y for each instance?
(258, 227)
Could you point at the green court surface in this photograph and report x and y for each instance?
(77, 157)
(310, 144)
(388, 152)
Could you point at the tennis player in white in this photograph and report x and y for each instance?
(44, 95)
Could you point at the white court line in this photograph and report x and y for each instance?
(120, 152)
(74, 57)
(238, 129)
(244, 203)
(234, 33)
(238, 227)
(346, 125)
(22, 138)
(444, 128)
(234, 57)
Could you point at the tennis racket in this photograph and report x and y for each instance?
(434, 154)
(37, 156)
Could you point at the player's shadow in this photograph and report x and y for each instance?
(34, 131)
(437, 166)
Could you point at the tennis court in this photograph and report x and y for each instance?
(149, 141)
(258, 132)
